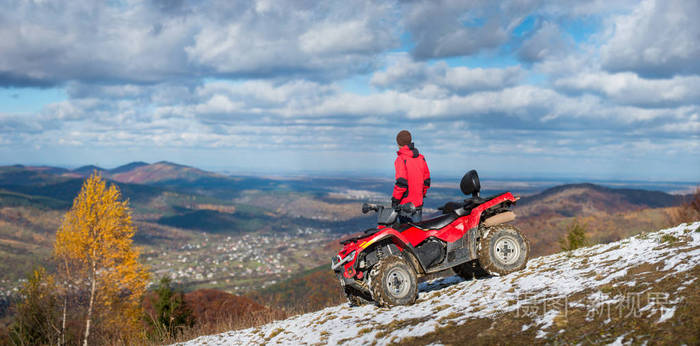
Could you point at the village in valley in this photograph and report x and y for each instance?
(238, 264)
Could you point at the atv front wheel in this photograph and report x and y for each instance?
(503, 250)
(393, 281)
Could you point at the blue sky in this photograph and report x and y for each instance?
(599, 89)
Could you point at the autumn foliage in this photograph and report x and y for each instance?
(95, 255)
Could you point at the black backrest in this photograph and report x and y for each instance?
(470, 184)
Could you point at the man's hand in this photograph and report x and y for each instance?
(394, 202)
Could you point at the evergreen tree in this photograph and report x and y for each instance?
(172, 312)
(575, 237)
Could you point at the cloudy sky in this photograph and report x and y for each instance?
(523, 88)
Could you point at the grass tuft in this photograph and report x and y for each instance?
(440, 308)
(274, 333)
(668, 238)
(364, 331)
(606, 288)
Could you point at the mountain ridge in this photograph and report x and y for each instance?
(127, 167)
(648, 198)
(88, 169)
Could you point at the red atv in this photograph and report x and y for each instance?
(471, 237)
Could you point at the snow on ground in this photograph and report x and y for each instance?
(555, 279)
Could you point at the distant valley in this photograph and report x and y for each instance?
(203, 228)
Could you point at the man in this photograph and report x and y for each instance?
(412, 177)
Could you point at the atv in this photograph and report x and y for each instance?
(473, 237)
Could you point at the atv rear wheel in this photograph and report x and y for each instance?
(392, 281)
(503, 250)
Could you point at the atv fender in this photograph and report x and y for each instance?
(499, 219)
(485, 228)
(405, 248)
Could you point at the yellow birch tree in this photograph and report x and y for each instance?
(95, 238)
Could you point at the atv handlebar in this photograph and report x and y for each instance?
(408, 208)
(366, 208)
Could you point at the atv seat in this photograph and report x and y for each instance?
(436, 223)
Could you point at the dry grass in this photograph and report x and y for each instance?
(397, 325)
(223, 323)
(440, 308)
(364, 331)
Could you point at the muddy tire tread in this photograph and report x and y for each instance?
(375, 281)
(485, 247)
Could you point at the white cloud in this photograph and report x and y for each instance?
(218, 104)
(354, 36)
(660, 38)
(628, 88)
(406, 74)
(454, 28)
(325, 40)
(547, 42)
(52, 42)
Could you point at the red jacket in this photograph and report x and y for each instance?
(412, 176)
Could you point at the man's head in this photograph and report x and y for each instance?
(403, 138)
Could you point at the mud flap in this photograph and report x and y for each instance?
(430, 252)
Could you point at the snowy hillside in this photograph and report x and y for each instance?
(636, 289)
